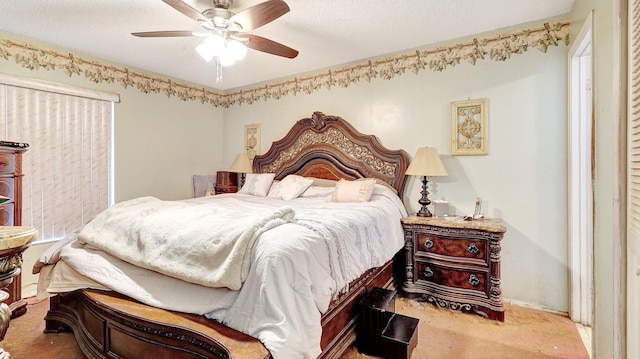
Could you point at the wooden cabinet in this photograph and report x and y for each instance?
(226, 182)
(11, 214)
(455, 263)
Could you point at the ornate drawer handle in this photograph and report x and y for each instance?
(428, 244)
(473, 280)
(473, 249)
(428, 273)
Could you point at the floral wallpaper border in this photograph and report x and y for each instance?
(497, 48)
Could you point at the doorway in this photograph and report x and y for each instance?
(580, 173)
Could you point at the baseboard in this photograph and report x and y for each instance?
(533, 306)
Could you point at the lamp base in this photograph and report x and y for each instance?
(424, 212)
(424, 201)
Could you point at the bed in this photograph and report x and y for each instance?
(112, 323)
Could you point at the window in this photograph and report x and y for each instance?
(67, 168)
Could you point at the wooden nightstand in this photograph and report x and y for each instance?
(454, 263)
(226, 182)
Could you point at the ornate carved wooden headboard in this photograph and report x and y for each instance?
(329, 147)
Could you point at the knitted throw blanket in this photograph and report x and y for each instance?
(200, 243)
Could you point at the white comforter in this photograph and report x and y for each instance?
(297, 268)
(202, 243)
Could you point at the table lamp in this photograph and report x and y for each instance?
(425, 163)
(242, 165)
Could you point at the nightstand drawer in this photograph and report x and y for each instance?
(7, 163)
(451, 277)
(453, 247)
(6, 214)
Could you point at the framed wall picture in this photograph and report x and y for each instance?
(469, 127)
(252, 140)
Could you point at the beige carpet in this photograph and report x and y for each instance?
(525, 334)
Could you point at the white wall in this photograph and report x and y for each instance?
(522, 179)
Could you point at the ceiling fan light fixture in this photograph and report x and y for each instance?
(226, 59)
(237, 49)
(210, 47)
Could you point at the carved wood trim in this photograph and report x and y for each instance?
(329, 147)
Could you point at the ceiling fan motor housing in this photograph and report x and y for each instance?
(219, 17)
(222, 4)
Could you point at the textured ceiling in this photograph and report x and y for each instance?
(327, 32)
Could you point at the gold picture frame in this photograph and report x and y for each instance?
(469, 127)
(252, 140)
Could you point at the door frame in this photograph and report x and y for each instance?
(580, 175)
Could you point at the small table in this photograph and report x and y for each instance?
(455, 263)
(13, 241)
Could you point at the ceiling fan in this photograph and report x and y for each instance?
(226, 31)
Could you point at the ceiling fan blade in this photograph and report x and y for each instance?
(186, 9)
(261, 14)
(260, 43)
(176, 33)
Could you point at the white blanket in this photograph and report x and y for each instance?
(200, 243)
(292, 279)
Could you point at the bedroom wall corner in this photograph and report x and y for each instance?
(522, 179)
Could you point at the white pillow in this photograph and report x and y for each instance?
(290, 187)
(318, 192)
(353, 191)
(257, 184)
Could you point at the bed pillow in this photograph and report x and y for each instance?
(318, 192)
(353, 191)
(290, 187)
(321, 182)
(381, 182)
(257, 184)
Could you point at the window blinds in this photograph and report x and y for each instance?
(66, 169)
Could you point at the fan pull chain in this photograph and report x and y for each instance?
(218, 70)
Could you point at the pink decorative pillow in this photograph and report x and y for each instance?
(353, 191)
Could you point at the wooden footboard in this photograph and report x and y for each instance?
(110, 325)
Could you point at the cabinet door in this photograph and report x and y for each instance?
(7, 163)
(6, 214)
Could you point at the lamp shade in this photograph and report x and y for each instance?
(242, 164)
(426, 162)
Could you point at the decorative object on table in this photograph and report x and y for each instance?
(477, 212)
(209, 192)
(425, 163)
(440, 208)
(469, 127)
(455, 264)
(226, 182)
(4, 199)
(14, 144)
(252, 140)
(13, 241)
(242, 165)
